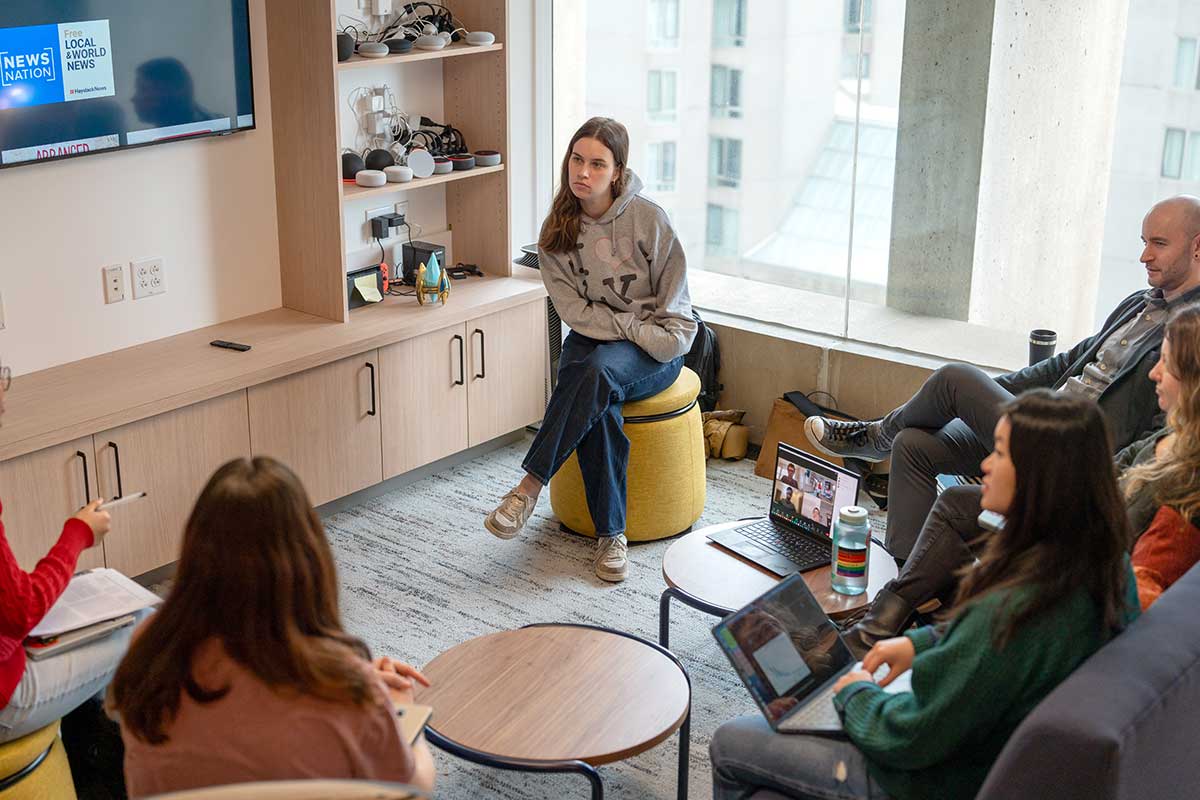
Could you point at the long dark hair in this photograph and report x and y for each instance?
(561, 229)
(1066, 528)
(255, 573)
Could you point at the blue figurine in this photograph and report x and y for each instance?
(432, 281)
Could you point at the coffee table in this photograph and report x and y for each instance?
(711, 579)
(557, 698)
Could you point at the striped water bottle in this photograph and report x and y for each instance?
(851, 548)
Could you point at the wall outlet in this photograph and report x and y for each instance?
(402, 209)
(149, 278)
(114, 283)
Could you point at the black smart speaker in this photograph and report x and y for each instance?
(399, 45)
(378, 159)
(345, 46)
(352, 164)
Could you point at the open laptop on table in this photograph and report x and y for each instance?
(796, 535)
(790, 655)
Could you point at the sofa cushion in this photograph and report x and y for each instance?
(1125, 724)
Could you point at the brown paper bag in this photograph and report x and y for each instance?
(786, 424)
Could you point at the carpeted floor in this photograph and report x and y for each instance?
(420, 574)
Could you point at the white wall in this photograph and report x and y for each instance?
(206, 207)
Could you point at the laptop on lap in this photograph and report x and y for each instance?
(796, 536)
(789, 655)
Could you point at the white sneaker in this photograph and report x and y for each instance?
(507, 520)
(612, 562)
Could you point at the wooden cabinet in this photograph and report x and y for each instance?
(40, 491)
(170, 457)
(506, 371)
(324, 424)
(423, 392)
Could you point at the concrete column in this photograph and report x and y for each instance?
(1047, 161)
(939, 145)
(1007, 118)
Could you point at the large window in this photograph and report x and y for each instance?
(726, 91)
(664, 23)
(660, 95)
(729, 23)
(660, 167)
(995, 220)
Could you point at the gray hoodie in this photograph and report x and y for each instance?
(626, 279)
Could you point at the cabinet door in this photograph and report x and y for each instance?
(423, 393)
(170, 457)
(324, 424)
(40, 491)
(506, 371)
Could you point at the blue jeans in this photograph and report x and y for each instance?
(53, 687)
(748, 756)
(595, 379)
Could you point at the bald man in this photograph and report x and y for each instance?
(946, 428)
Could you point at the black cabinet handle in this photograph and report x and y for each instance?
(117, 459)
(371, 367)
(482, 353)
(462, 360)
(87, 487)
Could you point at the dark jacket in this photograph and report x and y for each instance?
(1129, 403)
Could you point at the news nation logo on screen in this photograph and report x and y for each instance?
(42, 64)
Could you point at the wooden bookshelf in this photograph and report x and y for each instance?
(306, 117)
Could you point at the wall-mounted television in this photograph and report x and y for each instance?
(86, 76)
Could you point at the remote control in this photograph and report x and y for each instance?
(241, 348)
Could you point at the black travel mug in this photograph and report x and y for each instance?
(1041, 344)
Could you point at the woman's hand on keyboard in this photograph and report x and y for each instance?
(897, 653)
(852, 676)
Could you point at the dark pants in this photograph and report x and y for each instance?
(946, 428)
(595, 379)
(950, 539)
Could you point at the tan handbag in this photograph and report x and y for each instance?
(786, 424)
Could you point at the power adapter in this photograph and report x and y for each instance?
(382, 225)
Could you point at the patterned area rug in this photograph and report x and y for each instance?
(420, 574)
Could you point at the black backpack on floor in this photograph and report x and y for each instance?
(705, 360)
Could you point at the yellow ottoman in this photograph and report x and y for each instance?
(665, 487)
(35, 767)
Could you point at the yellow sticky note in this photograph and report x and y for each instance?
(367, 288)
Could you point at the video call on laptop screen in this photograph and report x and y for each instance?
(807, 494)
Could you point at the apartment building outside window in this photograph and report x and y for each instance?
(660, 166)
(724, 162)
(729, 23)
(660, 95)
(663, 23)
(726, 91)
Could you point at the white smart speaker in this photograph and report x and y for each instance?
(370, 177)
(480, 38)
(421, 163)
(398, 174)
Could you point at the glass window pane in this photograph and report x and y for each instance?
(1185, 63)
(1191, 159)
(1172, 156)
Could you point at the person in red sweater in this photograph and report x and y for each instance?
(1166, 483)
(34, 694)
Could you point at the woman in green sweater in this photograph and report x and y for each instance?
(1048, 591)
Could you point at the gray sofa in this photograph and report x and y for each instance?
(1124, 726)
